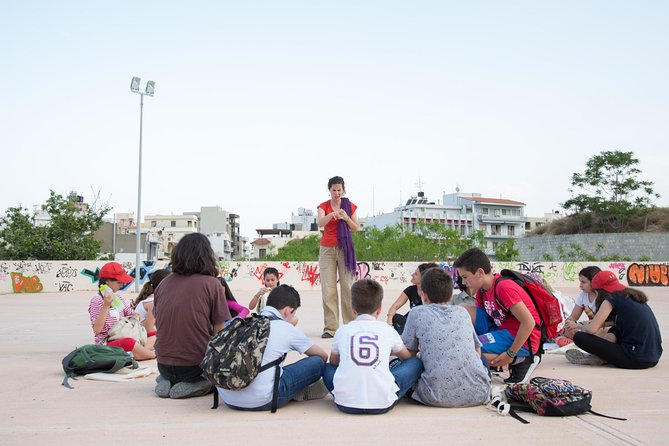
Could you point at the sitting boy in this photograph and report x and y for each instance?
(505, 335)
(455, 374)
(282, 303)
(359, 375)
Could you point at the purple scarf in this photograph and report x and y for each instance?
(345, 240)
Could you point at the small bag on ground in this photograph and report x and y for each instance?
(128, 327)
(550, 397)
(94, 358)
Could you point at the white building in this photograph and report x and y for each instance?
(420, 209)
(498, 218)
(533, 223)
(165, 231)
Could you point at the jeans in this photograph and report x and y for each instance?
(406, 373)
(294, 378)
(331, 264)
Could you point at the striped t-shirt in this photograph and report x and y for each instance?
(113, 315)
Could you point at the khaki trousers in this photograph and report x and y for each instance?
(331, 262)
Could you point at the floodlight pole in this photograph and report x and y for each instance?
(134, 87)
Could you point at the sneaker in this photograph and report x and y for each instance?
(327, 335)
(521, 371)
(163, 387)
(562, 341)
(189, 390)
(576, 356)
(314, 391)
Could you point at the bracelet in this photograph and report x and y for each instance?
(511, 353)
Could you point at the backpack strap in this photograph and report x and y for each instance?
(606, 416)
(506, 310)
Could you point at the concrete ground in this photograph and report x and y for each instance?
(38, 330)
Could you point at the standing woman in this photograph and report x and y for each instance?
(634, 342)
(190, 307)
(338, 219)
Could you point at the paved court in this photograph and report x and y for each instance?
(37, 330)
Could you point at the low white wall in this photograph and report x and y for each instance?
(67, 276)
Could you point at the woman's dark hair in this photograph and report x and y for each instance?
(271, 270)
(228, 291)
(424, 266)
(631, 293)
(193, 255)
(336, 180)
(150, 286)
(589, 272)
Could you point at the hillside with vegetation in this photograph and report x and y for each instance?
(655, 220)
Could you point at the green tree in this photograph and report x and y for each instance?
(67, 236)
(610, 190)
(507, 251)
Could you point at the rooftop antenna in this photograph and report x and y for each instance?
(373, 204)
(420, 185)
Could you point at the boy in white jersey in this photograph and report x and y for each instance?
(358, 374)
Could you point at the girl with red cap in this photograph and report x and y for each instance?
(633, 342)
(106, 308)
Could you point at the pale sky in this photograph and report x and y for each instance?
(258, 103)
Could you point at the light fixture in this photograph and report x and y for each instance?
(150, 89)
(134, 85)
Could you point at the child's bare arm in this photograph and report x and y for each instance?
(404, 353)
(334, 358)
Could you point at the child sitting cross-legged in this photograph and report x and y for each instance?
(455, 373)
(359, 375)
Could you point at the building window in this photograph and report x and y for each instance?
(173, 223)
(497, 212)
(262, 253)
(495, 245)
(153, 223)
(511, 230)
(484, 211)
(190, 224)
(495, 229)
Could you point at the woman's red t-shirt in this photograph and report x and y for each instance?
(330, 231)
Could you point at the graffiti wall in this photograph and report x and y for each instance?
(27, 277)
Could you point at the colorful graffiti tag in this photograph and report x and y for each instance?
(23, 284)
(648, 274)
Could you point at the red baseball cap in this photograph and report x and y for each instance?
(114, 270)
(607, 281)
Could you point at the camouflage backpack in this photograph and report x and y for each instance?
(233, 357)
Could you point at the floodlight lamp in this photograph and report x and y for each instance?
(134, 84)
(150, 88)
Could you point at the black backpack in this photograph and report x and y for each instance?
(93, 358)
(550, 397)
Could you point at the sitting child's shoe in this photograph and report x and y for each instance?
(520, 372)
(163, 387)
(314, 391)
(185, 389)
(576, 356)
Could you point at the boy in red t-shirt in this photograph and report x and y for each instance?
(506, 335)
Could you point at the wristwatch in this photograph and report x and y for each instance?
(511, 353)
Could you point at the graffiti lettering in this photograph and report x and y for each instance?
(65, 287)
(570, 271)
(377, 266)
(653, 274)
(362, 271)
(310, 274)
(23, 284)
(66, 271)
(530, 267)
(382, 279)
